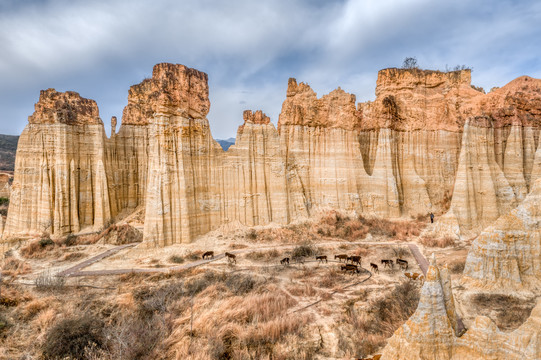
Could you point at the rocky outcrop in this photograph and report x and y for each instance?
(482, 192)
(506, 255)
(431, 332)
(60, 183)
(409, 152)
(5, 185)
(413, 99)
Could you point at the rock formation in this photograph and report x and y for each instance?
(507, 255)
(430, 333)
(5, 185)
(60, 183)
(429, 142)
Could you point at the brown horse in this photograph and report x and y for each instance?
(232, 258)
(341, 257)
(374, 267)
(388, 263)
(208, 254)
(354, 259)
(350, 267)
(321, 258)
(402, 263)
(284, 261)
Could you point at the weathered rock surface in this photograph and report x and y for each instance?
(60, 183)
(5, 185)
(507, 255)
(430, 333)
(404, 154)
(482, 191)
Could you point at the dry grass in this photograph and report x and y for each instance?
(443, 242)
(508, 312)
(74, 256)
(14, 267)
(265, 255)
(122, 234)
(38, 248)
(362, 332)
(457, 266)
(176, 259)
(237, 246)
(334, 224)
(32, 308)
(252, 327)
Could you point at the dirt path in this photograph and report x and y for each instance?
(76, 269)
(421, 260)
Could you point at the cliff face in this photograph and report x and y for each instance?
(430, 333)
(60, 183)
(5, 185)
(506, 255)
(428, 143)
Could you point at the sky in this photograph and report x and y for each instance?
(250, 48)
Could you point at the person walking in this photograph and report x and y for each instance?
(431, 218)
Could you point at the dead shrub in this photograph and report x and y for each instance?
(375, 325)
(194, 255)
(15, 267)
(263, 255)
(334, 224)
(302, 290)
(49, 282)
(400, 251)
(457, 266)
(134, 337)
(240, 284)
(177, 259)
(251, 235)
(443, 242)
(122, 234)
(302, 251)
(73, 256)
(5, 324)
(32, 308)
(38, 248)
(237, 246)
(508, 312)
(72, 337)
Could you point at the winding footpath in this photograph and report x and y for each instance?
(76, 270)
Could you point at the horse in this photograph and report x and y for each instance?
(232, 258)
(284, 261)
(350, 267)
(354, 259)
(208, 254)
(374, 267)
(341, 257)
(388, 263)
(402, 263)
(321, 258)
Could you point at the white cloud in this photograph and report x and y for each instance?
(100, 47)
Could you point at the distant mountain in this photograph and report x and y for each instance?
(8, 148)
(225, 144)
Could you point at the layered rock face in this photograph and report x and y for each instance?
(431, 332)
(60, 183)
(507, 255)
(396, 156)
(5, 185)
